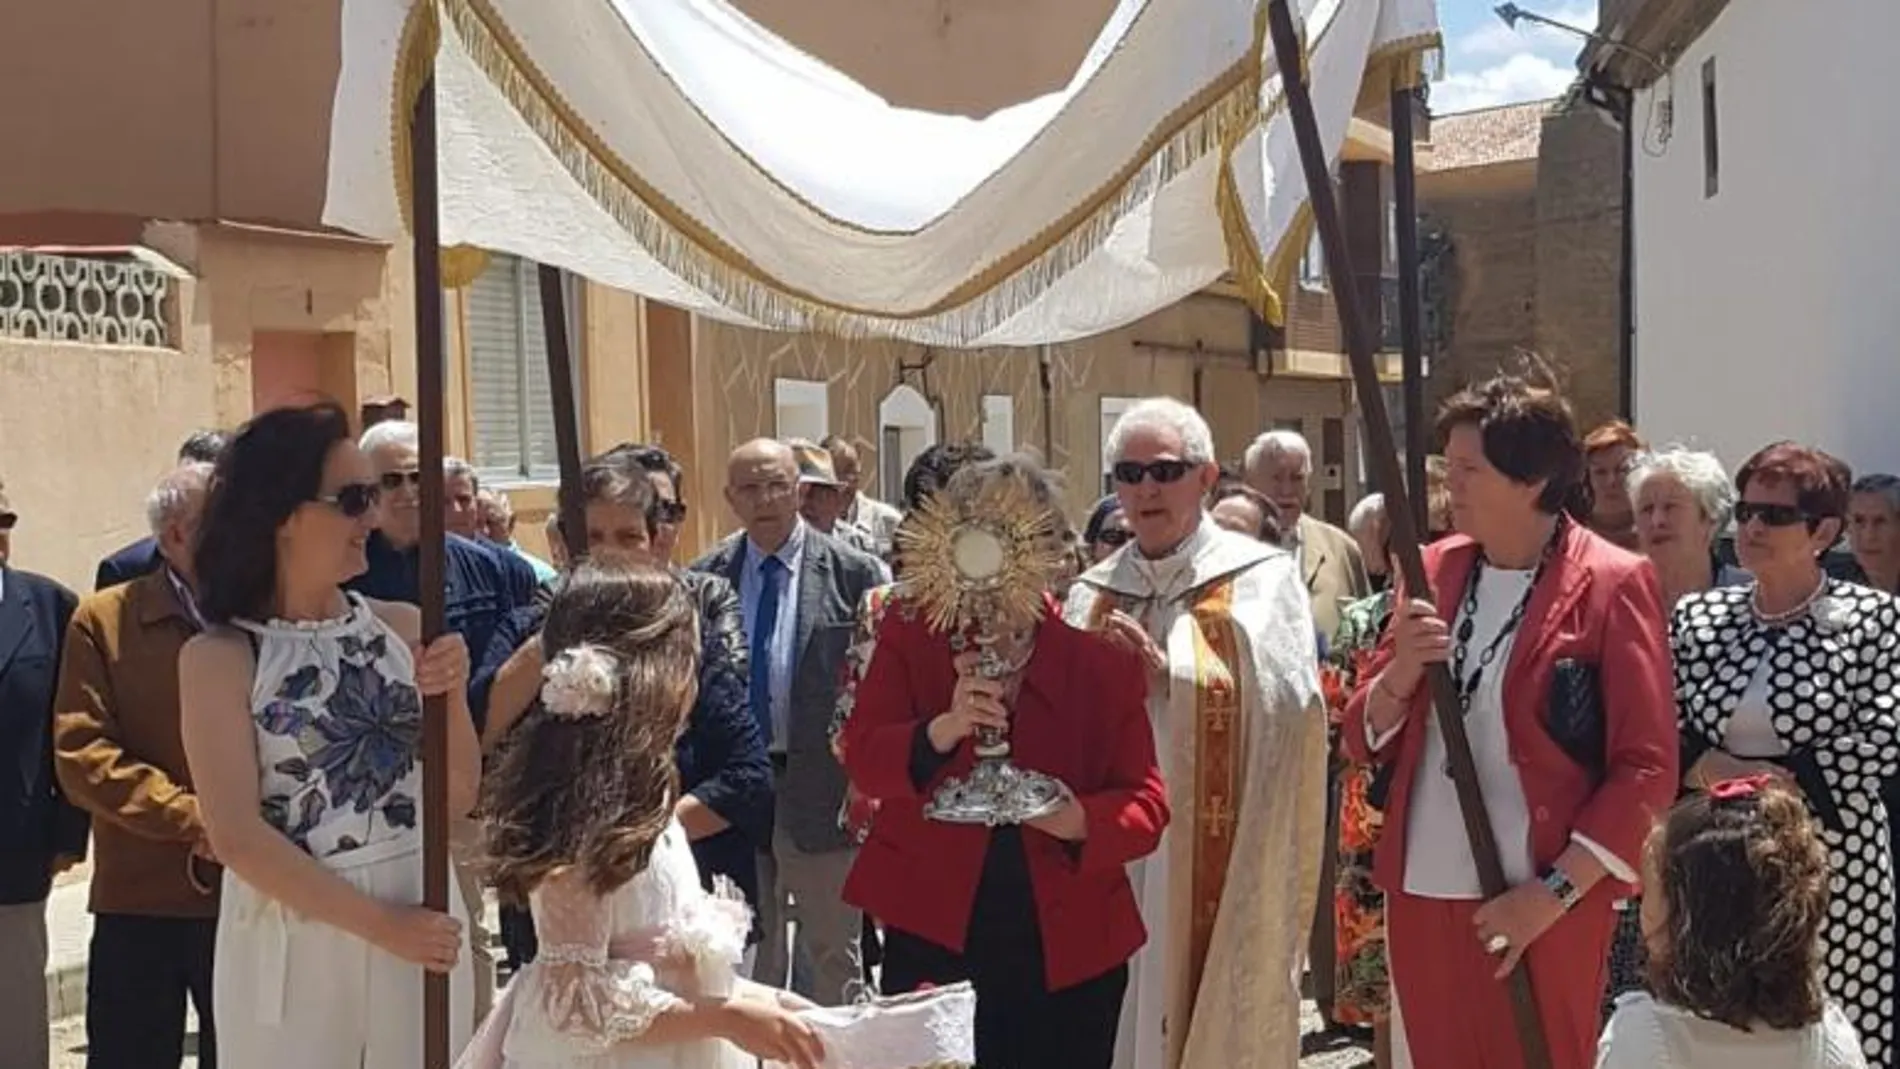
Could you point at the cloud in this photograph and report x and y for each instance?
(1493, 64)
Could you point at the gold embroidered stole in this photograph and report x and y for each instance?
(1218, 751)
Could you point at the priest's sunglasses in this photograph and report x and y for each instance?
(353, 500)
(1132, 472)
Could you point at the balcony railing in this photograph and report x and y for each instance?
(105, 300)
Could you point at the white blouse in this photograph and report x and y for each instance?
(1647, 1034)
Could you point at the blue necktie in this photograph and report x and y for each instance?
(764, 623)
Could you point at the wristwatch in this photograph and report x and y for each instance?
(1558, 884)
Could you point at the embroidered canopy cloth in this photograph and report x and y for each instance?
(678, 149)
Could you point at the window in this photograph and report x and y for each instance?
(802, 409)
(1112, 409)
(1711, 133)
(511, 408)
(907, 425)
(1313, 262)
(999, 423)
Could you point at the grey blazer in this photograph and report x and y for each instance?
(832, 581)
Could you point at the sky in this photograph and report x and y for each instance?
(1487, 63)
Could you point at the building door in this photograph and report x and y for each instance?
(286, 369)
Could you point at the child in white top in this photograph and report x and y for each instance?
(1735, 887)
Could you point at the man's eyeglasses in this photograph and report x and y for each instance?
(1131, 472)
(1115, 536)
(1770, 515)
(392, 480)
(672, 512)
(353, 500)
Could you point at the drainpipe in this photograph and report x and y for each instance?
(1045, 378)
(1619, 103)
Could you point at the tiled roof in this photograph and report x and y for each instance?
(1483, 138)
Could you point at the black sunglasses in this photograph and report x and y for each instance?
(8, 520)
(672, 512)
(1131, 472)
(353, 500)
(1770, 515)
(393, 480)
(1115, 536)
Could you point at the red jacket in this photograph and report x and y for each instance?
(1596, 604)
(1081, 716)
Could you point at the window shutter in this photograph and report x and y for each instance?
(495, 342)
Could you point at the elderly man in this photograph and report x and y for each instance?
(142, 557)
(1225, 626)
(496, 515)
(823, 498)
(799, 592)
(1279, 464)
(862, 510)
(41, 834)
(485, 585)
(119, 756)
(461, 490)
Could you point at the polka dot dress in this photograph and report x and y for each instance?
(1834, 691)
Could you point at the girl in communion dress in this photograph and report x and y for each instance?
(636, 969)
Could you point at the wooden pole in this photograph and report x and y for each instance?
(1384, 455)
(567, 435)
(430, 389)
(1411, 313)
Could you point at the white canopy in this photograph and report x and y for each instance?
(680, 150)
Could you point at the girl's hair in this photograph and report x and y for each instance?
(1744, 879)
(270, 469)
(595, 792)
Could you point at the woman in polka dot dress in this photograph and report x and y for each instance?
(1799, 675)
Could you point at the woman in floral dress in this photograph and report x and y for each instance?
(302, 720)
(1362, 984)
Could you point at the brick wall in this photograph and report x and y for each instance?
(1579, 257)
(1490, 214)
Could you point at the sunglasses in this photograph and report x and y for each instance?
(392, 480)
(1115, 536)
(8, 520)
(353, 500)
(672, 512)
(1131, 472)
(1770, 515)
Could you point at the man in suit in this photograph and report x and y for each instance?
(142, 557)
(1279, 464)
(799, 591)
(41, 835)
(120, 756)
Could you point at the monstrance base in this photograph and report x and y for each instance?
(996, 794)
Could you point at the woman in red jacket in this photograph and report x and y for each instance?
(1558, 648)
(1040, 918)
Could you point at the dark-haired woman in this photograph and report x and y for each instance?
(302, 720)
(1795, 674)
(1735, 890)
(1556, 643)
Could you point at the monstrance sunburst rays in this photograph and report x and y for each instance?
(980, 560)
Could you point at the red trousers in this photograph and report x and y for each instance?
(1458, 1017)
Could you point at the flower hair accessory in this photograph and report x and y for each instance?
(581, 682)
(1730, 790)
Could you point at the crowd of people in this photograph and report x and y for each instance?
(699, 790)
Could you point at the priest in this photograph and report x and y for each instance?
(1225, 627)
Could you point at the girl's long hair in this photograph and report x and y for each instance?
(596, 792)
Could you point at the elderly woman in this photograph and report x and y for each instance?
(1363, 984)
(1794, 674)
(1607, 454)
(1555, 643)
(1873, 531)
(1106, 531)
(1038, 917)
(1368, 526)
(1683, 504)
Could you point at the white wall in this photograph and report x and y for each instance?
(1772, 310)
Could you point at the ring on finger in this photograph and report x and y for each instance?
(1497, 944)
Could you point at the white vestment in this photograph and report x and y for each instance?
(1240, 728)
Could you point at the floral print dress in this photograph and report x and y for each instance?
(1363, 986)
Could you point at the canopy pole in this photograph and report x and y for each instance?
(430, 389)
(564, 397)
(1383, 453)
(1411, 311)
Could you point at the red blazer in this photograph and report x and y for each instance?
(1081, 716)
(1597, 604)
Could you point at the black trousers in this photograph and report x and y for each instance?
(140, 972)
(1019, 1024)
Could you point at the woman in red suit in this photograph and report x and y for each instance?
(1558, 646)
(1040, 918)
